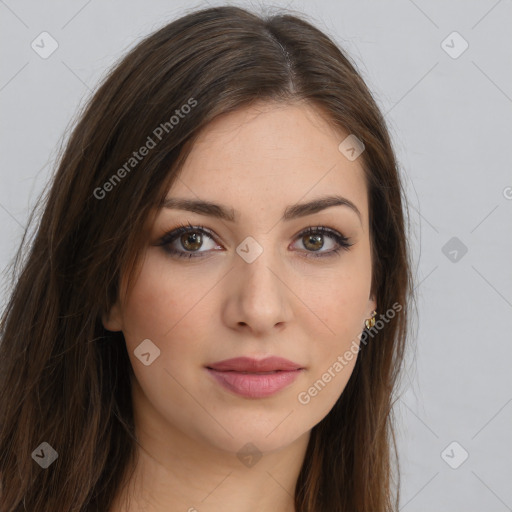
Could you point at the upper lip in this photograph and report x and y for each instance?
(248, 364)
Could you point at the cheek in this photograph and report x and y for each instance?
(338, 298)
(165, 389)
(164, 305)
(339, 302)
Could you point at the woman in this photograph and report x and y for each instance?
(213, 311)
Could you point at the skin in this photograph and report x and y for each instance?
(257, 160)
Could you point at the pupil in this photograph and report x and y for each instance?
(318, 239)
(191, 239)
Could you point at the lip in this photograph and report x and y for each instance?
(255, 385)
(242, 375)
(248, 364)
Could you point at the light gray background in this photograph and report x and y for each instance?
(451, 122)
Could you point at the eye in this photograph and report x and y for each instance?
(190, 238)
(312, 239)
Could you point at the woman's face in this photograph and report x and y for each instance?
(255, 286)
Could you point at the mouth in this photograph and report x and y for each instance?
(257, 366)
(254, 384)
(246, 373)
(254, 378)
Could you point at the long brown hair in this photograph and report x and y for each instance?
(65, 380)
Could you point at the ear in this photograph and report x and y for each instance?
(371, 307)
(112, 320)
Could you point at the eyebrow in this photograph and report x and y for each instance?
(229, 214)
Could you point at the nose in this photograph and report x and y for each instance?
(259, 298)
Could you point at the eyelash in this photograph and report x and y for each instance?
(342, 241)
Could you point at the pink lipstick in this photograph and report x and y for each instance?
(252, 378)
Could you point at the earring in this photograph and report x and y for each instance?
(370, 322)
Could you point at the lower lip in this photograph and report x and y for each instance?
(252, 385)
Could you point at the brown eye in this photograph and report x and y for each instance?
(185, 241)
(191, 241)
(313, 242)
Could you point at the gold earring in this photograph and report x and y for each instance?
(370, 322)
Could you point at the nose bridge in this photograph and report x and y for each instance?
(258, 258)
(261, 293)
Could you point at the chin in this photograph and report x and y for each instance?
(258, 435)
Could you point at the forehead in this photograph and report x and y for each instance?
(270, 155)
